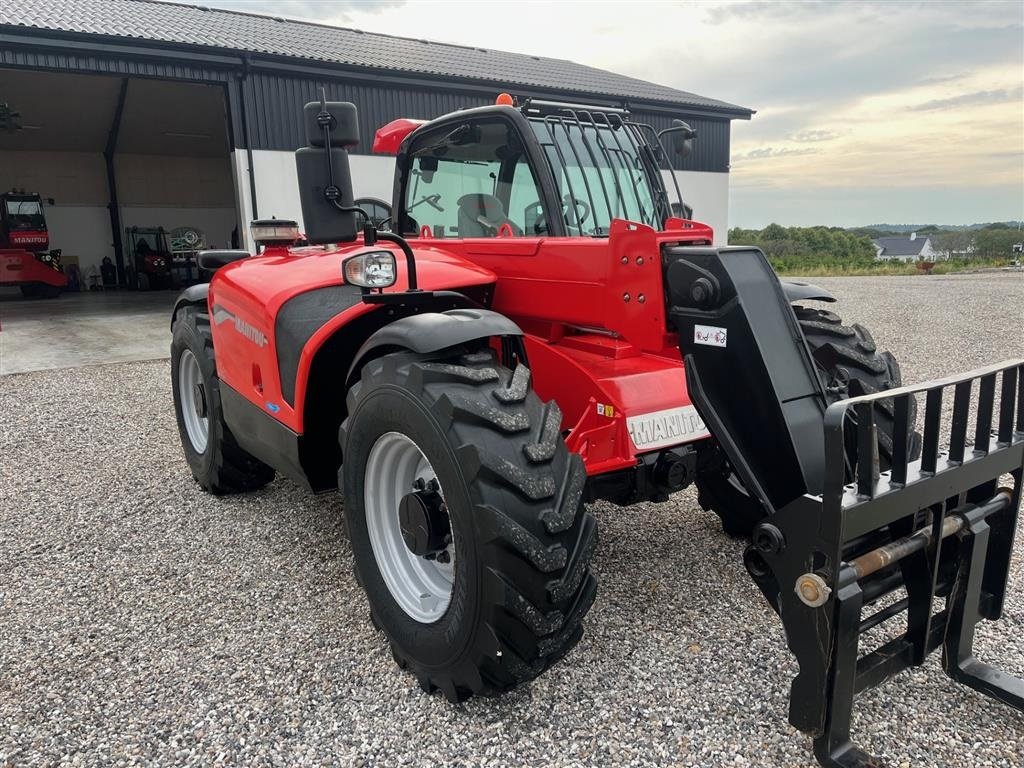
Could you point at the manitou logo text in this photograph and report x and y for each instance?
(660, 429)
(251, 332)
(18, 238)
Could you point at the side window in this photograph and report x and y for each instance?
(472, 181)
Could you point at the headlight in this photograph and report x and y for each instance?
(372, 269)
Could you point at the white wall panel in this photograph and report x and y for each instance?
(82, 231)
(708, 194)
(277, 189)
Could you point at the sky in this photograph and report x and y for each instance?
(896, 112)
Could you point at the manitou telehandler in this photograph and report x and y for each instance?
(25, 258)
(535, 330)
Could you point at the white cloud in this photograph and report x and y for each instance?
(889, 95)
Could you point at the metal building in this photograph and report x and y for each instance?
(140, 114)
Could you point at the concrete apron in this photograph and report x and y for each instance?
(79, 329)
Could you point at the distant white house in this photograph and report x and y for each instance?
(909, 248)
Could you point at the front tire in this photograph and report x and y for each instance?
(518, 539)
(217, 462)
(849, 364)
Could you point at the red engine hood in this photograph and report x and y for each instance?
(278, 274)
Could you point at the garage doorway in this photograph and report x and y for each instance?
(157, 150)
(120, 165)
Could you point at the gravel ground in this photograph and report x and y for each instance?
(142, 621)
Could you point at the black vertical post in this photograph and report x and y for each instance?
(248, 141)
(112, 204)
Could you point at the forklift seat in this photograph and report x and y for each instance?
(481, 215)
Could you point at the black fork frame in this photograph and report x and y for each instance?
(952, 492)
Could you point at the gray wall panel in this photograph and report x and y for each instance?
(274, 99)
(277, 103)
(710, 148)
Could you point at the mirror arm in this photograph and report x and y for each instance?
(410, 258)
(691, 133)
(333, 195)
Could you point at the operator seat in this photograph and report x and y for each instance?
(481, 215)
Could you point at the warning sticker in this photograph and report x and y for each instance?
(710, 335)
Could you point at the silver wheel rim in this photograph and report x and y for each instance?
(422, 587)
(191, 391)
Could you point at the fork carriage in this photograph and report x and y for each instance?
(939, 527)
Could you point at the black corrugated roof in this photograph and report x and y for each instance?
(196, 25)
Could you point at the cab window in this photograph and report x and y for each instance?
(24, 213)
(472, 180)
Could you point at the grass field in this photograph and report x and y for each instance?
(837, 268)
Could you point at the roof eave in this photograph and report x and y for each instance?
(236, 57)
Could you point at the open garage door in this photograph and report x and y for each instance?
(126, 169)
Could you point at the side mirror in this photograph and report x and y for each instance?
(682, 137)
(325, 180)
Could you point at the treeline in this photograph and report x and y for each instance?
(994, 241)
(838, 251)
(796, 248)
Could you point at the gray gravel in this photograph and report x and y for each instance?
(142, 621)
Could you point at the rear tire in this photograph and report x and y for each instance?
(522, 541)
(849, 364)
(217, 462)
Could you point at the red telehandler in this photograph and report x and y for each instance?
(25, 258)
(535, 329)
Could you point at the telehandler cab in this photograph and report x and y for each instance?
(536, 330)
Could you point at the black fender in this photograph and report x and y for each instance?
(433, 331)
(795, 291)
(193, 296)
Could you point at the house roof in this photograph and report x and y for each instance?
(901, 246)
(199, 26)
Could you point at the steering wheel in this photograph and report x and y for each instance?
(569, 200)
(434, 201)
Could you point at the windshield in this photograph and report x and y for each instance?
(601, 172)
(473, 181)
(25, 214)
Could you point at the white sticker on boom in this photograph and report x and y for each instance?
(710, 335)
